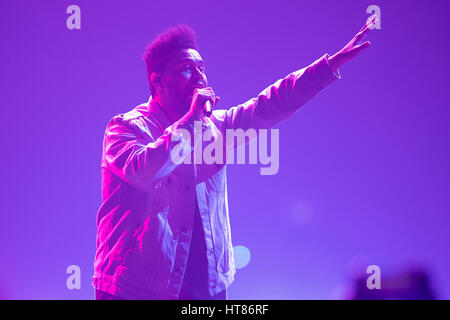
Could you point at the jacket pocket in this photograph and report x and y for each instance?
(134, 269)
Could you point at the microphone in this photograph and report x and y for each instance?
(207, 108)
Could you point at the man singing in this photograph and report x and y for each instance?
(163, 225)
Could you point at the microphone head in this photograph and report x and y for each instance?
(208, 108)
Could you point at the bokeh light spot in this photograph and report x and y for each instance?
(302, 213)
(241, 256)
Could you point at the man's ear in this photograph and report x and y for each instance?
(156, 79)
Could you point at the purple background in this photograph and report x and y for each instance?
(368, 158)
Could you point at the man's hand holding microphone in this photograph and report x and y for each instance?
(203, 102)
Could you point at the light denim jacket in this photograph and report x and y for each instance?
(145, 220)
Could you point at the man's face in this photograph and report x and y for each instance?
(184, 72)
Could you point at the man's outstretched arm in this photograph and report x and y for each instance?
(283, 98)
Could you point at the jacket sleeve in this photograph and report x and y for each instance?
(141, 160)
(282, 99)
